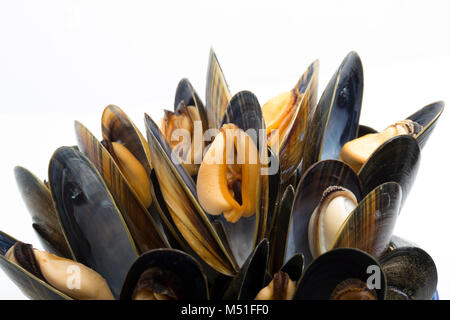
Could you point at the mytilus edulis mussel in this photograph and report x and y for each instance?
(292, 199)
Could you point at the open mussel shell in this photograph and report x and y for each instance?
(245, 112)
(427, 117)
(186, 93)
(217, 93)
(31, 286)
(308, 195)
(251, 278)
(92, 223)
(329, 270)
(292, 146)
(117, 127)
(168, 270)
(411, 274)
(371, 224)
(143, 228)
(336, 117)
(39, 202)
(395, 160)
(185, 217)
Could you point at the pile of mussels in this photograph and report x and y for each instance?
(305, 210)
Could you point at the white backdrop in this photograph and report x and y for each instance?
(67, 60)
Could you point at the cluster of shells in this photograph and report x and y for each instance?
(130, 218)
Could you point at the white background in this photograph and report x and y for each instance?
(66, 60)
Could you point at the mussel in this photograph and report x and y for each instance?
(230, 200)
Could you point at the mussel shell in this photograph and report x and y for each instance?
(294, 267)
(30, 285)
(189, 272)
(251, 278)
(291, 148)
(395, 160)
(245, 112)
(336, 118)
(185, 92)
(427, 117)
(278, 237)
(39, 202)
(411, 271)
(140, 222)
(92, 223)
(118, 127)
(217, 93)
(371, 224)
(328, 270)
(183, 187)
(308, 194)
(274, 187)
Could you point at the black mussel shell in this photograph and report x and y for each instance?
(410, 272)
(308, 194)
(327, 271)
(251, 278)
(176, 270)
(336, 118)
(92, 223)
(395, 160)
(38, 199)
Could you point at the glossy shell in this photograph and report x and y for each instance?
(336, 117)
(92, 223)
(327, 271)
(191, 280)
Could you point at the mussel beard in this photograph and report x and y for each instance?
(158, 284)
(69, 277)
(327, 219)
(356, 152)
(278, 114)
(280, 288)
(353, 289)
(229, 177)
(187, 145)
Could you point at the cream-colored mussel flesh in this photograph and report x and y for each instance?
(183, 131)
(332, 211)
(69, 277)
(229, 177)
(356, 152)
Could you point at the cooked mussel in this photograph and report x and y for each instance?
(130, 151)
(67, 276)
(204, 185)
(183, 130)
(330, 211)
(356, 152)
(165, 274)
(411, 274)
(291, 110)
(342, 274)
(90, 219)
(229, 177)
